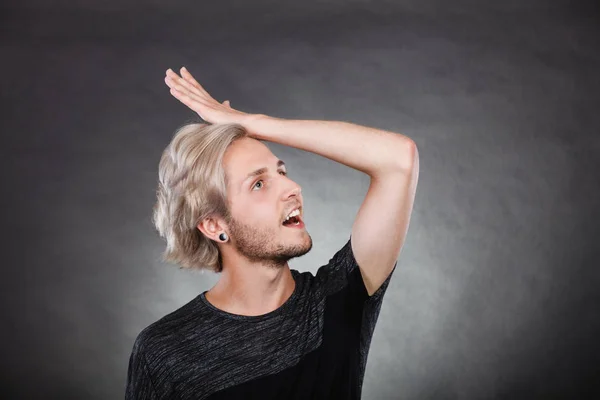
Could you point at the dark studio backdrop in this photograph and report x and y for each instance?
(498, 291)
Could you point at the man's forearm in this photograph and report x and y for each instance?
(369, 150)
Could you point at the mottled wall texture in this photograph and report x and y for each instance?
(497, 295)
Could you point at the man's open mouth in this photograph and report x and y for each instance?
(292, 221)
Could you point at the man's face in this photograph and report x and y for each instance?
(260, 203)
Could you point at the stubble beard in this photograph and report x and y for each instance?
(262, 245)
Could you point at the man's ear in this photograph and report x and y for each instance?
(212, 228)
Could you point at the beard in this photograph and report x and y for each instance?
(266, 245)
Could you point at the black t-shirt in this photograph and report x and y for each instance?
(314, 346)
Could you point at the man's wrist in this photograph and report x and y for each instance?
(252, 124)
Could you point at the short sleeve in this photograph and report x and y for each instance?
(342, 272)
(139, 382)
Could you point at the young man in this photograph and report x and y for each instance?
(225, 204)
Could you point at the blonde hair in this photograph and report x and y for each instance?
(192, 185)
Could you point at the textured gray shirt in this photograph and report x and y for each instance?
(314, 346)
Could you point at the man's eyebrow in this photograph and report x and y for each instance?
(261, 171)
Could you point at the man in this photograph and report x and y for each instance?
(225, 204)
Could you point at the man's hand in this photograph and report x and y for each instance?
(188, 91)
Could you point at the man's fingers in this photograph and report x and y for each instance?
(189, 92)
(193, 104)
(189, 78)
(180, 83)
(188, 85)
(183, 87)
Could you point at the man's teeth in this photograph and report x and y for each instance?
(294, 213)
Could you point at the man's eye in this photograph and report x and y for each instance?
(281, 172)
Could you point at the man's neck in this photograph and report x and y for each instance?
(252, 290)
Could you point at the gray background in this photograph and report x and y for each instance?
(497, 292)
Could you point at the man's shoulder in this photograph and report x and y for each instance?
(169, 329)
